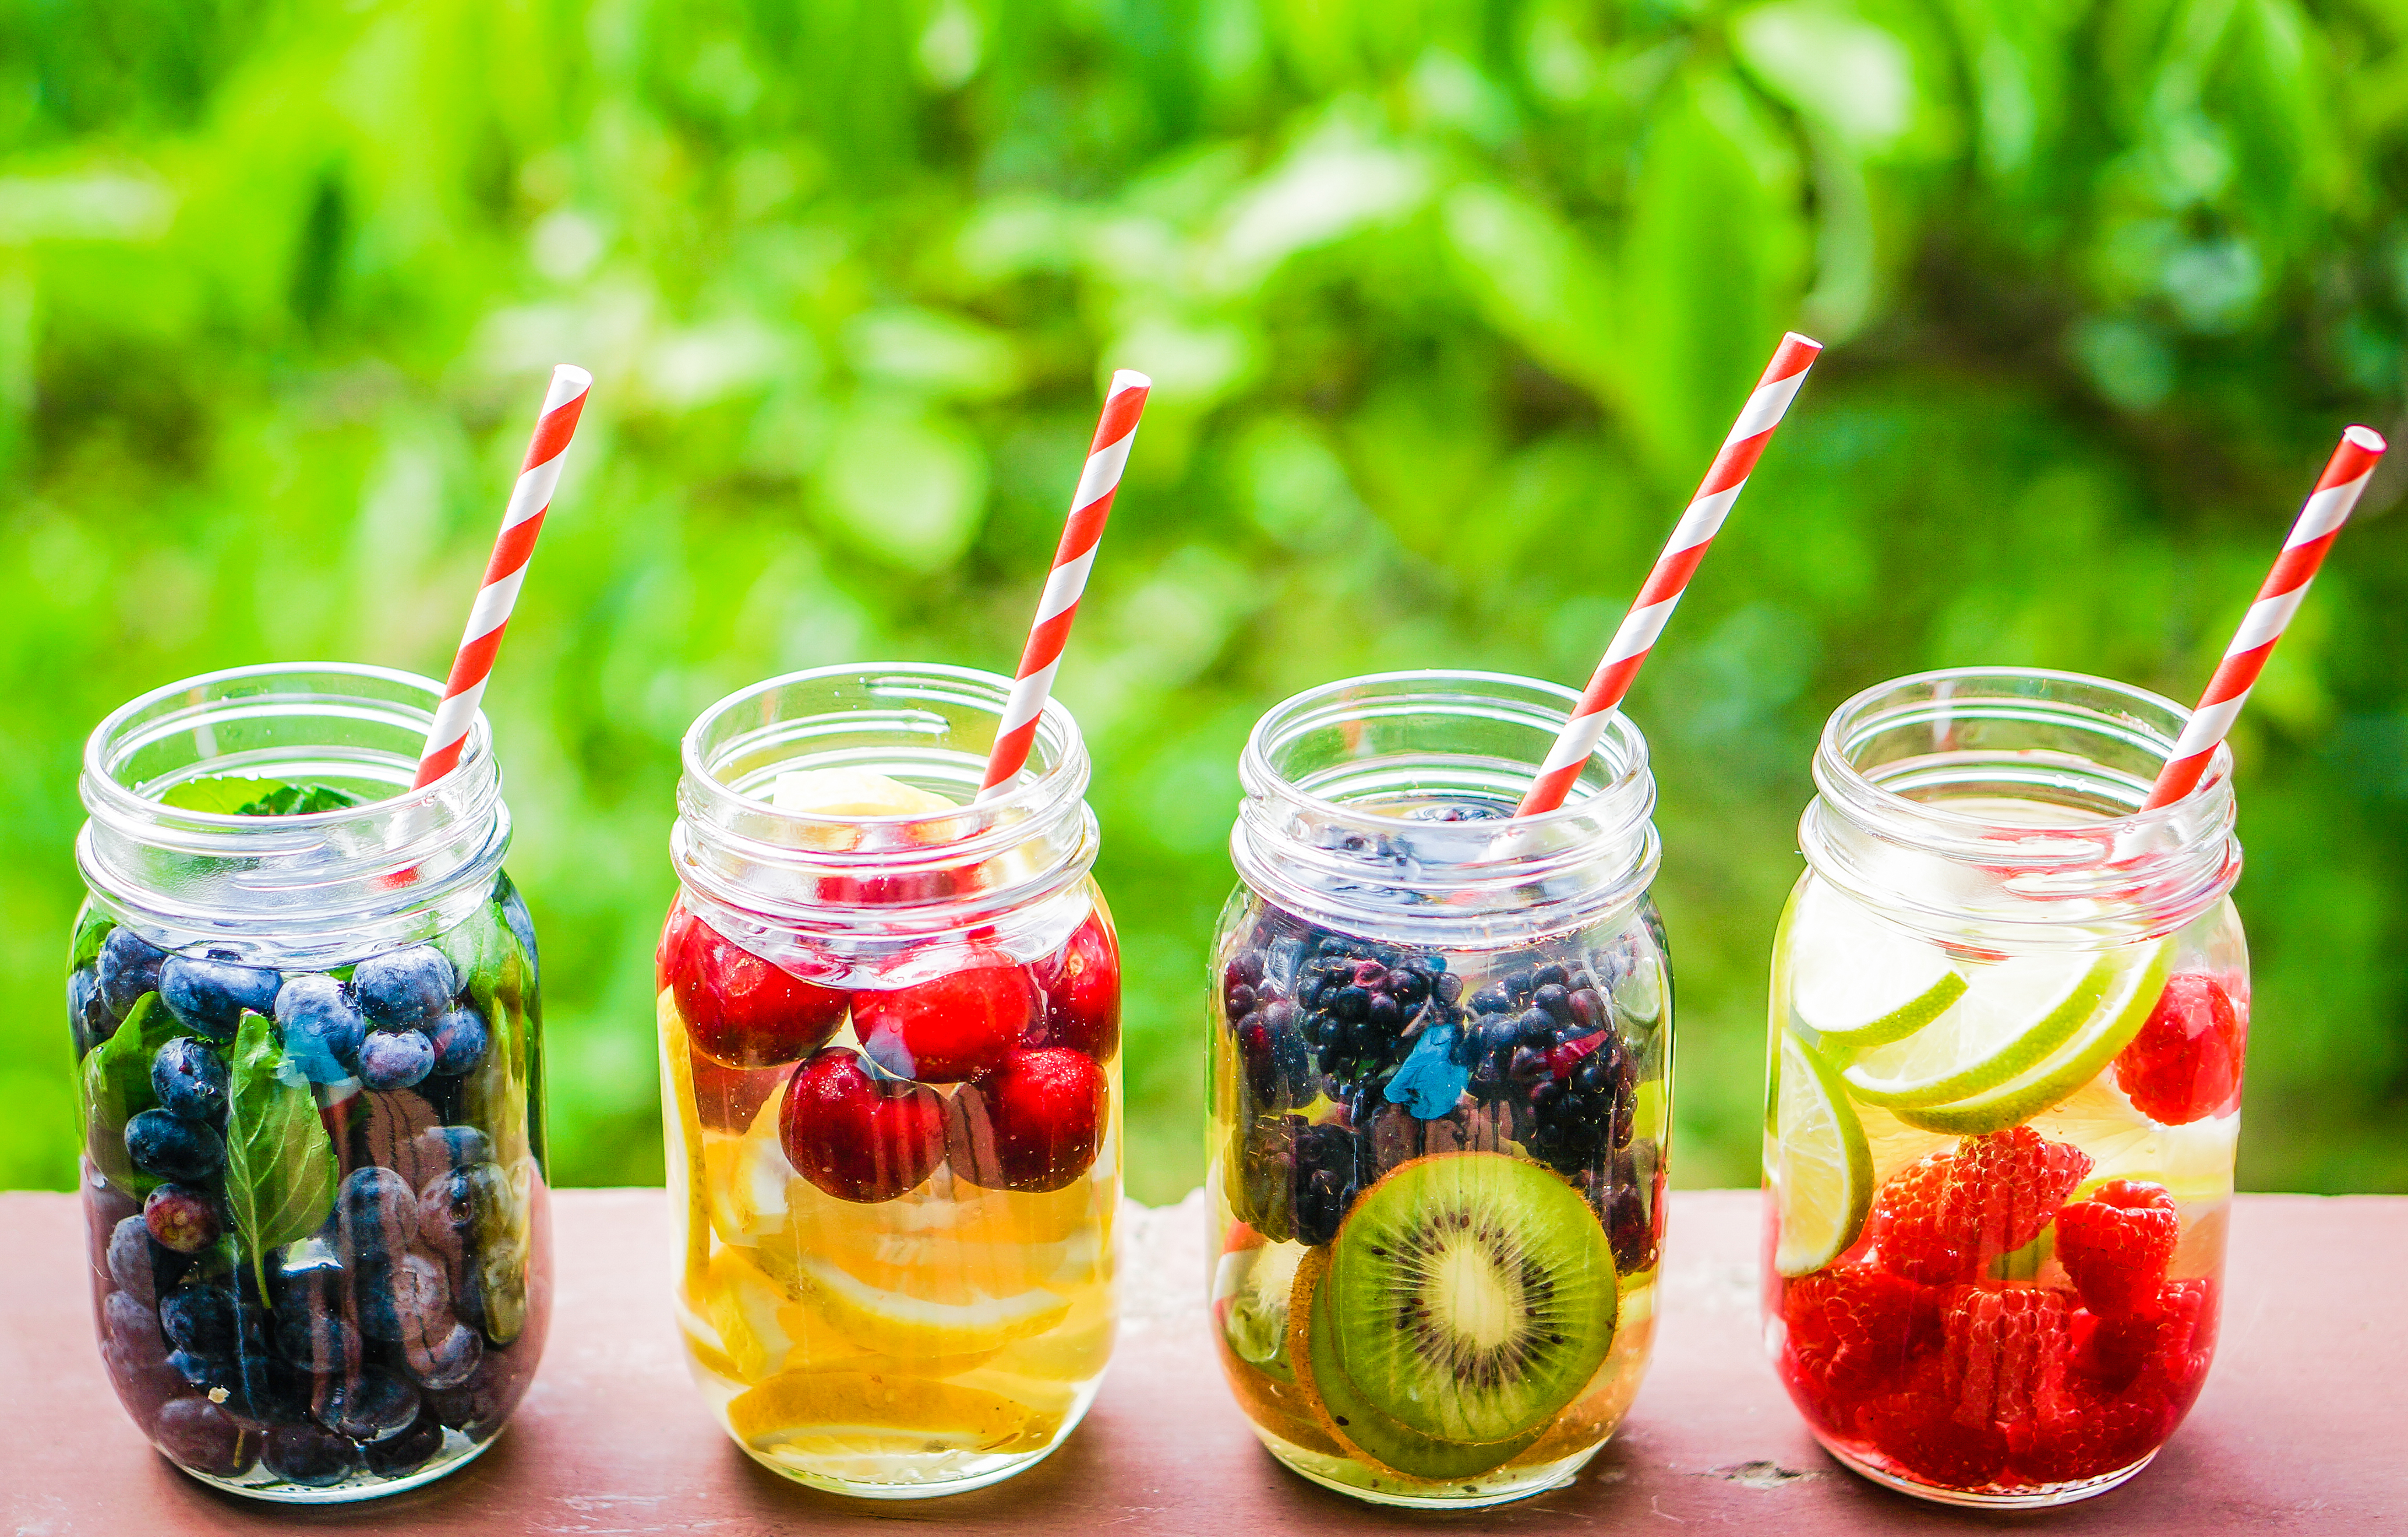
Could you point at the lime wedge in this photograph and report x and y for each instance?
(1823, 1173)
(1859, 982)
(2136, 976)
(2013, 1015)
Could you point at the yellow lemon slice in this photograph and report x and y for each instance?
(850, 1412)
(743, 1304)
(898, 1324)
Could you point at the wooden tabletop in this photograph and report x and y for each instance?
(2303, 1426)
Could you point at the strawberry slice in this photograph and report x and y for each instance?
(2116, 1245)
(1945, 1218)
(2186, 1063)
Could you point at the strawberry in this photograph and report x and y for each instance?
(856, 1136)
(1945, 1218)
(2003, 1357)
(2116, 1245)
(1857, 1330)
(2186, 1061)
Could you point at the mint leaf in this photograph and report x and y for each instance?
(93, 926)
(281, 1170)
(237, 796)
(117, 1088)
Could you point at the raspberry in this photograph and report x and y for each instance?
(2096, 1436)
(2003, 1355)
(1856, 1331)
(2186, 1063)
(1912, 1431)
(1945, 1218)
(2116, 1245)
(2169, 1344)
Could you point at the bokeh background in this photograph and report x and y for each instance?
(1447, 304)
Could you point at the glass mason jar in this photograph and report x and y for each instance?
(2008, 1016)
(304, 1002)
(1441, 1044)
(890, 1037)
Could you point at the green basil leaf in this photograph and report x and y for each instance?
(93, 926)
(281, 1171)
(117, 1088)
(237, 796)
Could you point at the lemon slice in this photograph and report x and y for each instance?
(2194, 1161)
(896, 1324)
(850, 1412)
(745, 1306)
(2136, 977)
(1859, 982)
(2012, 1014)
(1823, 1176)
(850, 791)
(1824, 1171)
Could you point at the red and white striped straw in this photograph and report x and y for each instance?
(1654, 606)
(2320, 524)
(521, 520)
(1090, 506)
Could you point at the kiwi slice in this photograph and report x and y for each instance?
(1473, 1296)
(1364, 1432)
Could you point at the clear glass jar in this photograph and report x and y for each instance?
(1441, 1047)
(890, 1037)
(307, 1029)
(2009, 1013)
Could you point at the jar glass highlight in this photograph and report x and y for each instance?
(2008, 1020)
(1441, 1047)
(890, 1037)
(306, 1023)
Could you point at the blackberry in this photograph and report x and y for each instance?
(1364, 1005)
(1585, 1105)
(1295, 1178)
(1328, 1177)
(1517, 1023)
(1629, 1197)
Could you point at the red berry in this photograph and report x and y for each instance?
(182, 1218)
(949, 1029)
(728, 1099)
(856, 1136)
(1033, 1124)
(2093, 1436)
(2186, 1063)
(741, 1009)
(1857, 1330)
(2116, 1245)
(2169, 1344)
(1082, 983)
(1914, 1430)
(2002, 1355)
(1945, 1218)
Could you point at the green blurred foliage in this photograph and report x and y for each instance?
(1447, 304)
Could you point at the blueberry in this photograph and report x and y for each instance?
(208, 996)
(446, 1358)
(395, 1059)
(202, 1436)
(406, 1301)
(405, 989)
(88, 1012)
(322, 1028)
(129, 1260)
(173, 1148)
(457, 1208)
(399, 1454)
(190, 1080)
(460, 1038)
(310, 1455)
(129, 967)
(182, 1218)
(369, 1406)
(201, 1319)
(376, 1214)
(514, 913)
(455, 1147)
(321, 1342)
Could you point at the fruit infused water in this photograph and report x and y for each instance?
(307, 1013)
(889, 1026)
(1438, 1053)
(2009, 1016)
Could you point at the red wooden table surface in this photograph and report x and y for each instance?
(2303, 1426)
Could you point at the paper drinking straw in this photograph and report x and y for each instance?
(521, 520)
(2320, 524)
(1656, 600)
(1090, 506)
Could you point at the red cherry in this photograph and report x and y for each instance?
(1082, 984)
(856, 1136)
(949, 1029)
(739, 1009)
(729, 1099)
(1032, 1123)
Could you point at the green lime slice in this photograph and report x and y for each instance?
(2013, 1015)
(1858, 982)
(1822, 1172)
(1639, 994)
(2138, 976)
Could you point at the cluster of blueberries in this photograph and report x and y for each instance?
(1537, 1055)
(358, 1347)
